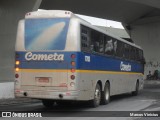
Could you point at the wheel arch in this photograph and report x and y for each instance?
(107, 81)
(137, 82)
(100, 84)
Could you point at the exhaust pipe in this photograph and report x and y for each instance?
(60, 96)
(25, 94)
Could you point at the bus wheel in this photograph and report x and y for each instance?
(97, 97)
(105, 94)
(134, 93)
(48, 103)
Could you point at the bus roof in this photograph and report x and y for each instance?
(48, 14)
(69, 14)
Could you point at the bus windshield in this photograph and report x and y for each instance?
(46, 34)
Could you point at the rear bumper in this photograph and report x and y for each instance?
(55, 95)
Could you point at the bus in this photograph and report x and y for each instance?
(61, 57)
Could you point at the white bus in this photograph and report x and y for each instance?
(60, 57)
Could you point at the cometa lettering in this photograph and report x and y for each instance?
(47, 57)
(125, 67)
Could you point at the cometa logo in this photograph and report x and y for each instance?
(125, 67)
(47, 57)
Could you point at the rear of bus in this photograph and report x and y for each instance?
(46, 56)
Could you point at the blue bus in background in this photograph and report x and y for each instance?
(60, 57)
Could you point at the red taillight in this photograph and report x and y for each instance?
(72, 77)
(73, 63)
(16, 76)
(73, 56)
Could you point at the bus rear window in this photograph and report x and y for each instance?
(46, 34)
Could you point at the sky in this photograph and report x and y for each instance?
(101, 22)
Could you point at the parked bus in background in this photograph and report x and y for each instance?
(60, 57)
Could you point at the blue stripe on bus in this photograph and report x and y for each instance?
(96, 62)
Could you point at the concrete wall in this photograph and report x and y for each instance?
(11, 11)
(148, 37)
(6, 90)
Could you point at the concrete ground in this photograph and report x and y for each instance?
(14, 101)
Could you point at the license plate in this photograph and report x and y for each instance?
(43, 80)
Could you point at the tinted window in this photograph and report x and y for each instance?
(92, 40)
(140, 54)
(109, 45)
(127, 51)
(97, 44)
(120, 49)
(85, 38)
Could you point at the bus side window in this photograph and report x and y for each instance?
(85, 39)
(92, 46)
(97, 42)
(137, 55)
(115, 47)
(140, 56)
(96, 46)
(126, 51)
(132, 53)
(120, 49)
(108, 45)
(101, 44)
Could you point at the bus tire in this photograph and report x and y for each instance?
(105, 98)
(48, 103)
(97, 97)
(135, 93)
